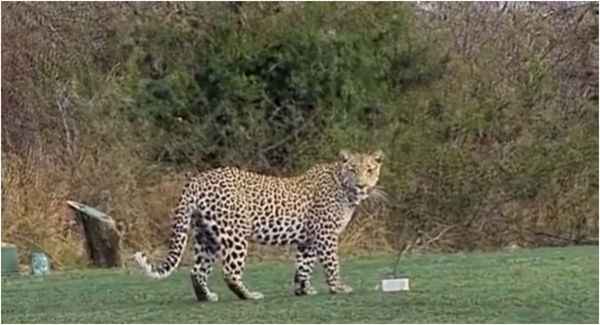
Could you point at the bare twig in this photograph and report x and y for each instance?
(441, 233)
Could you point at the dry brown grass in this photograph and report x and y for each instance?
(35, 213)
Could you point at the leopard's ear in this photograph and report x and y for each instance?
(345, 155)
(378, 155)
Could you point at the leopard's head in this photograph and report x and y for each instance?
(360, 171)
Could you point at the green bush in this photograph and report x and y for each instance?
(280, 90)
(301, 84)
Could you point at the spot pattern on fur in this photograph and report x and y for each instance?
(229, 207)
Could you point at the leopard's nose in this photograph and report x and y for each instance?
(361, 186)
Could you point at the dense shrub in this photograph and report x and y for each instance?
(271, 91)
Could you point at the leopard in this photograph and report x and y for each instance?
(228, 208)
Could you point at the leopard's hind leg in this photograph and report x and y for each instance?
(234, 256)
(205, 255)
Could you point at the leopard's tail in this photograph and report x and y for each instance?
(179, 235)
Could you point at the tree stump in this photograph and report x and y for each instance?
(101, 235)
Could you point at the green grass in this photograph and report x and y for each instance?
(550, 285)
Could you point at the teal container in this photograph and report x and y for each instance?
(39, 263)
(10, 260)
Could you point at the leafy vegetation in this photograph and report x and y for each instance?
(488, 143)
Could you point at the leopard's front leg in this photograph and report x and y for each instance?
(305, 257)
(327, 252)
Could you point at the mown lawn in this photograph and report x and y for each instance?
(550, 285)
